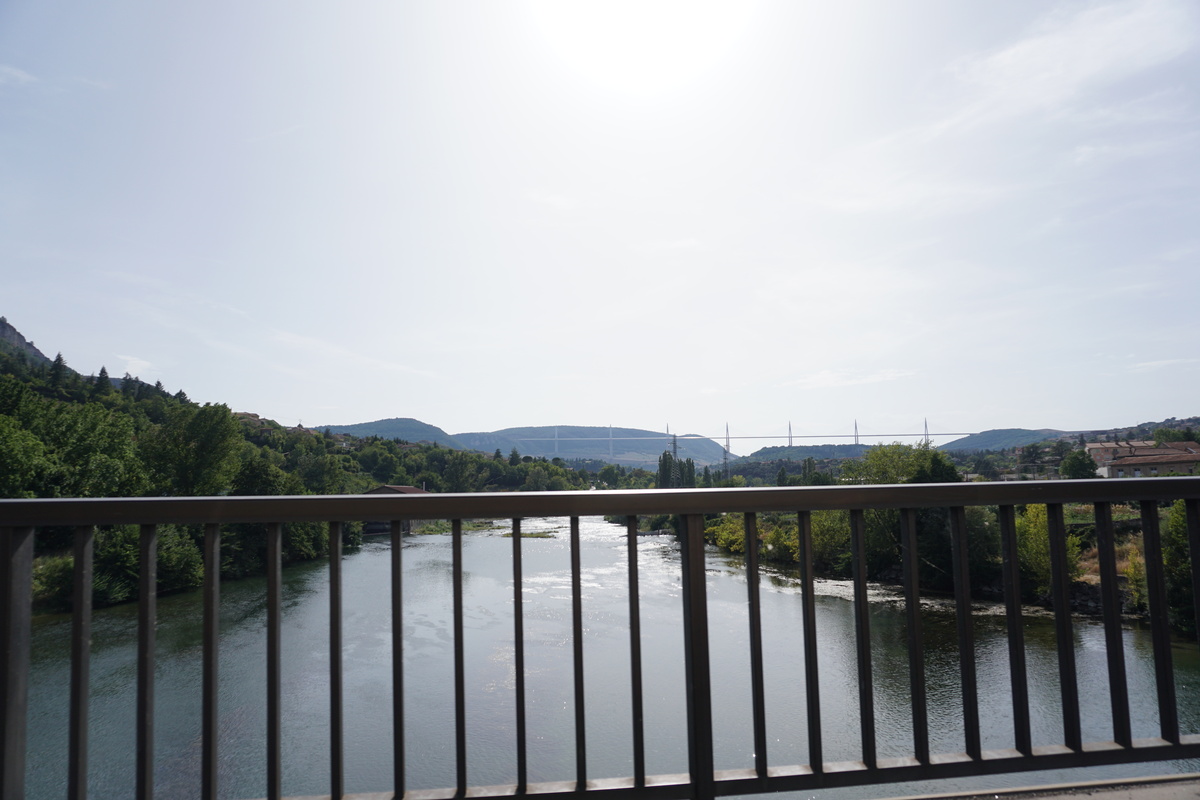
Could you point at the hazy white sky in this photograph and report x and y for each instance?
(485, 215)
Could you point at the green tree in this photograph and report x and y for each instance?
(195, 452)
(1077, 464)
(1177, 567)
(103, 384)
(1033, 551)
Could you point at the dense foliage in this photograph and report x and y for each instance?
(64, 435)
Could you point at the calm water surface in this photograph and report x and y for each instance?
(490, 686)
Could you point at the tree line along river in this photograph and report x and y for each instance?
(487, 582)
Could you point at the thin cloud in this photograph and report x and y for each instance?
(1151, 366)
(831, 379)
(669, 245)
(135, 365)
(319, 347)
(1066, 55)
(11, 76)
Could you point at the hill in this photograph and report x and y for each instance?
(801, 452)
(406, 428)
(1002, 439)
(12, 342)
(631, 447)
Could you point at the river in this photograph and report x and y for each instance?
(490, 686)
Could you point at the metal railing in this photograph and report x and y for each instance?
(19, 519)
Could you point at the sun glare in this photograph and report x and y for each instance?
(641, 47)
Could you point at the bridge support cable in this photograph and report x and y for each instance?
(754, 613)
(1018, 679)
(81, 656)
(1114, 646)
(337, 752)
(808, 611)
(916, 645)
(1060, 593)
(212, 634)
(862, 635)
(398, 764)
(696, 659)
(16, 548)
(460, 669)
(1160, 630)
(577, 653)
(274, 661)
(147, 623)
(635, 654)
(966, 631)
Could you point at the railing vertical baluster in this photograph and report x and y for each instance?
(862, 631)
(754, 613)
(966, 631)
(147, 622)
(16, 586)
(519, 656)
(808, 611)
(81, 651)
(1192, 508)
(635, 654)
(274, 662)
(398, 765)
(577, 648)
(1114, 644)
(696, 659)
(212, 632)
(460, 670)
(916, 646)
(337, 764)
(1018, 678)
(1160, 630)
(1060, 591)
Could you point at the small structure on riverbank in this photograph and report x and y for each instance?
(377, 528)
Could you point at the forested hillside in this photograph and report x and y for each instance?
(66, 435)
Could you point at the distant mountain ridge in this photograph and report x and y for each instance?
(1004, 438)
(631, 447)
(406, 428)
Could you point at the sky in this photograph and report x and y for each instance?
(687, 214)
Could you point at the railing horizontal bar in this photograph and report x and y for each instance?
(837, 774)
(187, 510)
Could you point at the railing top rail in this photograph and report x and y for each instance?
(499, 505)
